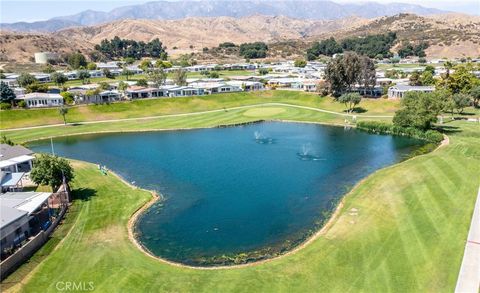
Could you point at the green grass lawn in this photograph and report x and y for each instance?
(153, 107)
(399, 66)
(220, 117)
(408, 235)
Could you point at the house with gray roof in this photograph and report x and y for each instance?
(22, 215)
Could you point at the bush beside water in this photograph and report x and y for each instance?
(432, 136)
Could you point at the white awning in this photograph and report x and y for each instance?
(34, 202)
(16, 160)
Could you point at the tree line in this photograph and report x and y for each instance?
(374, 46)
(124, 48)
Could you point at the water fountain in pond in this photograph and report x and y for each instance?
(260, 138)
(307, 153)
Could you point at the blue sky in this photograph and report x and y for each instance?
(33, 10)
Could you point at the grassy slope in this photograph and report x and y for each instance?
(408, 236)
(152, 107)
(192, 121)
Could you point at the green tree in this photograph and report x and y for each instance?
(26, 79)
(63, 111)
(368, 75)
(58, 78)
(104, 86)
(352, 66)
(5, 140)
(6, 93)
(158, 77)
(415, 78)
(108, 73)
(213, 74)
(327, 47)
(253, 50)
(122, 86)
(129, 60)
(427, 78)
(84, 76)
(460, 81)
(145, 65)
(127, 73)
(91, 66)
(335, 76)
(68, 97)
(51, 170)
(419, 110)
(448, 66)
(300, 63)
(180, 77)
(76, 60)
(350, 100)
(475, 93)
(48, 69)
(461, 102)
(263, 71)
(36, 88)
(142, 82)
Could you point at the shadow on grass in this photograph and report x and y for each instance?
(448, 129)
(357, 110)
(83, 194)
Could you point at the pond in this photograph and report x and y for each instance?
(236, 194)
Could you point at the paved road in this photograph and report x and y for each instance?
(200, 113)
(469, 276)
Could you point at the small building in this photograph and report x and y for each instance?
(40, 100)
(15, 158)
(45, 57)
(398, 91)
(183, 91)
(247, 86)
(15, 163)
(139, 92)
(11, 82)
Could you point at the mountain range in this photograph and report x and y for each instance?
(449, 35)
(171, 10)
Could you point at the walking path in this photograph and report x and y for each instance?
(469, 276)
(199, 113)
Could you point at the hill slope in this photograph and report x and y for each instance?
(319, 10)
(449, 35)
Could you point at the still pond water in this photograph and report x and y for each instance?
(241, 189)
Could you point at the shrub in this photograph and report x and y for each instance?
(5, 106)
(385, 128)
(22, 104)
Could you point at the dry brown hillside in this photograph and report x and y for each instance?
(21, 47)
(205, 32)
(450, 35)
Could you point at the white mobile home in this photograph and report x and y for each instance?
(39, 100)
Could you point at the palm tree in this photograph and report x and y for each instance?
(63, 111)
(448, 65)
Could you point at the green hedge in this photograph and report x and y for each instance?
(386, 128)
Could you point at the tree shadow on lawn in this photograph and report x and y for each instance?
(357, 110)
(83, 194)
(447, 129)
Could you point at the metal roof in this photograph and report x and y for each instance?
(8, 152)
(11, 179)
(9, 215)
